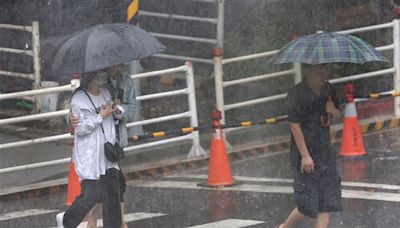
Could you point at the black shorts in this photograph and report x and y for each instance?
(318, 192)
(122, 184)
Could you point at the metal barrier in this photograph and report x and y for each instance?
(218, 41)
(20, 119)
(187, 130)
(395, 47)
(271, 120)
(196, 149)
(35, 76)
(70, 87)
(220, 84)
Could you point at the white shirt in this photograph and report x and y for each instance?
(88, 153)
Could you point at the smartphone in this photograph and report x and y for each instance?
(109, 103)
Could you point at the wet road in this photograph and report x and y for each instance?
(262, 197)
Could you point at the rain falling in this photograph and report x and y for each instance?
(199, 113)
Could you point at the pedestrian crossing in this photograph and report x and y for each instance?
(367, 191)
(24, 213)
(231, 223)
(132, 217)
(128, 218)
(356, 190)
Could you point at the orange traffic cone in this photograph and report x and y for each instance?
(74, 188)
(352, 140)
(219, 170)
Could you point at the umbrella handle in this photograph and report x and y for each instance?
(327, 117)
(326, 120)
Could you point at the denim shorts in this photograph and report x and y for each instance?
(317, 192)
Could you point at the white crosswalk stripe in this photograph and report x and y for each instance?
(231, 223)
(128, 218)
(346, 193)
(24, 213)
(285, 180)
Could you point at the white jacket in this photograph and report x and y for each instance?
(88, 153)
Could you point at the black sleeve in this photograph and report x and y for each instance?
(294, 107)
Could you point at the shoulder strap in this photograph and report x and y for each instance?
(94, 106)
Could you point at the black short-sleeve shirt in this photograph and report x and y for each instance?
(306, 108)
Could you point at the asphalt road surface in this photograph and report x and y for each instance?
(262, 196)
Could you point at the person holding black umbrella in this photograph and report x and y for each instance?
(121, 87)
(99, 177)
(317, 188)
(96, 48)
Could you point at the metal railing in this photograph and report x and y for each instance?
(35, 53)
(196, 149)
(395, 70)
(220, 84)
(218, 22)
(75, 83)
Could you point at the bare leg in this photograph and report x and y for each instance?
(294, 217)
(123, 224)
(322, 220)
(93, 215)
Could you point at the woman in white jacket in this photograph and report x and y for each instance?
(99, 178)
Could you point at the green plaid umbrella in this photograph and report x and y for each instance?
(328, 48)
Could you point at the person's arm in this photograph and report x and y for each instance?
(307, 163)
(73, 120)
(332, 105)
(129, 102)
(88, 124)
(296, 117)
(88, 120)
(330, 108)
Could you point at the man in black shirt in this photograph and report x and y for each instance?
(317, 190)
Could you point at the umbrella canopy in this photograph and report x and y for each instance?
(328, 48)
(102, 46)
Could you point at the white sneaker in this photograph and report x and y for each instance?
(60, 218)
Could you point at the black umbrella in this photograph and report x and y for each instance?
(102, 46)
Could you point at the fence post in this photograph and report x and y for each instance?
(396, 63)
(220, 24)
(135, 68)
(219, 88)
(196, 149)
(297, 74)
(36, 62)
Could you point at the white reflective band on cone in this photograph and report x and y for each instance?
(217, 134)
(350, 110)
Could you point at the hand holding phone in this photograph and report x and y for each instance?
(106, 110)
(109, 103)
